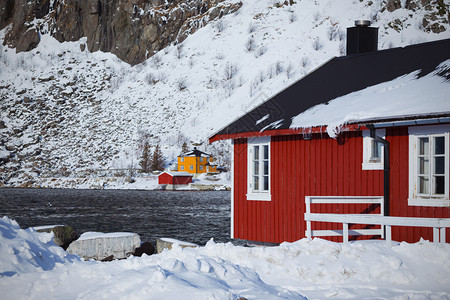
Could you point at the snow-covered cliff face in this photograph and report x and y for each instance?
(132, 30)
(67, 109)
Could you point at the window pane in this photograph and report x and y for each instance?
(266, 152)
(439, 165)
(255, 152)
(424, 165)
(255, 183)
(255, 168)
(423, 146)
(266, 183)
(376, 150)
(423, 185)
(266, 167)
(439, 145)
(438, 188)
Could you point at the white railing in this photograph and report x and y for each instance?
(439, 225)
(343, 200)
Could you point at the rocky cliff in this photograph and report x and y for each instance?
(131, 29)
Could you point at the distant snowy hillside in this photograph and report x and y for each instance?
(67, 112)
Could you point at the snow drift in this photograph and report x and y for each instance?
(315, 269)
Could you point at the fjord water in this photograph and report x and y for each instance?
(188, 216)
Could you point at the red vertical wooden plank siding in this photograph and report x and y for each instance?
(398, 137)
(321, 166)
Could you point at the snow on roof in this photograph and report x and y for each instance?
(406, 95)
(175, 173)
(398, 82)
(196, 152)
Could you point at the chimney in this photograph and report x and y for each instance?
(362, 38)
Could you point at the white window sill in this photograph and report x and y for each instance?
(429, 202)
(372, 166)
(259, 196)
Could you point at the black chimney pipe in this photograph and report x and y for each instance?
(362, 38)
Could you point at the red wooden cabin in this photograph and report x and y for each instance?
(399, 152)
(174, 180)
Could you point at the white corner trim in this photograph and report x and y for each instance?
(372, 166)
(429, 202)
(366, 164)
(259, 140)
(414, 133)
(259, 196)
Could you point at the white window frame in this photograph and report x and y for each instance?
(200, 167)
(181, 167)
(191, 167)
(414, 134)
(182, 159)
(251, 193)
(368, 163)
(201, 159)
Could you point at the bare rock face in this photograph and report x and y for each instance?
(131, 29)
(437, 13)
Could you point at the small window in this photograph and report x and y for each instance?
(429, 166)
(373, 151)
(191, 167)
(182, 159)
(181, 167)
(200, 167)
(259, 169)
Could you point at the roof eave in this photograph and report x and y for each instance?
(381, 122)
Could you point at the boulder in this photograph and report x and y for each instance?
(99, 246)
(145, 248)
(166, 243)
(64, 234)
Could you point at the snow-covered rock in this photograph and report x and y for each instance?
(98, 245)
(167, 243)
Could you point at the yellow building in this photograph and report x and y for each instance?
(196, 162)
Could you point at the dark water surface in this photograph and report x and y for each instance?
(189, 216)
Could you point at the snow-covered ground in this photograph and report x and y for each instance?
(136, 182)
(66, 111)
(32, 267)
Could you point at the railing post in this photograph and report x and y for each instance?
(308, 230)
(435, 235)
(442, 240)
(345, 232)
(382, 214)
(308, 223)
(388, 233)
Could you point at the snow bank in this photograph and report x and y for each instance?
(24, 251)
(220, 178)
(315, 269)
(403, 96)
